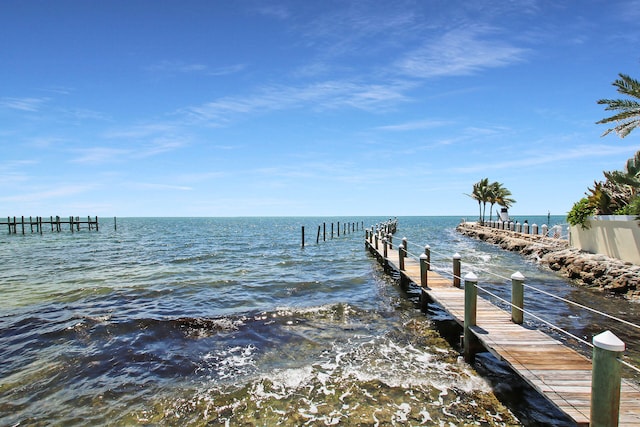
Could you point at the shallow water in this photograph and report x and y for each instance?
(216, 321)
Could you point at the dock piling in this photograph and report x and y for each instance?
(606, 380)
(456, 269)
(470, 307)
(517, 298)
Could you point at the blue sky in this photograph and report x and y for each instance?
(320, 108)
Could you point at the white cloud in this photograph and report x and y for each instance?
(152, 186)
(578, 152)
(35, 196)
(462, 51)
(100, 155)
(321, 95)
(171, 68)
(23, 104)
(415, 125)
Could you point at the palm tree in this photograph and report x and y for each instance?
(481, 194)
(500, 195)
(504, 200)
(628, 110)
(630, 177)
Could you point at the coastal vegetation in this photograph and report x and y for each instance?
(492, 193)
(618, 194)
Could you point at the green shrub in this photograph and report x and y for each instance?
(580, 213)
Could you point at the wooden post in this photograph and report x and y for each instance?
(71, 223)
(324, 231)
(534, 229)
(9, 223)
(401, 257)
(51, 222)
(424, 280)
(384, 247)
(338, 228)
(23, 225)
(97, 223)
(606, 380)
(40, 225)
(424, 270)
(318, 236)
(303, 236)
(456, 269)
(470, 306)
(376, 241)
(517, 298)
(427, 252)
(390, 238)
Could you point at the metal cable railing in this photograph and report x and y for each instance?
(445, 257)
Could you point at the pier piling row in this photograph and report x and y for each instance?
(57, 224)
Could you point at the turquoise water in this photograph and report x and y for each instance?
(229, 321)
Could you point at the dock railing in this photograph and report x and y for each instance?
(558, 231)
(607, 349)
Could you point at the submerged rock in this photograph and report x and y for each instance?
(595, 271)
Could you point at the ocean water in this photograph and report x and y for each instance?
(229, 321)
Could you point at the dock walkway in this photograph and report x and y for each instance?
(558, 372)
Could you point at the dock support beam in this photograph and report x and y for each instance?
(517, 298)
(470, 306)
(606, 380)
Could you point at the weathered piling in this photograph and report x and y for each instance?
(36, 224)
(606, 380)
(517, 298)
(470, 309)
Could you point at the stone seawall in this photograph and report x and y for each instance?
(590, 270)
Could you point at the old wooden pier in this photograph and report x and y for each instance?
(55, 223)
(590, 392)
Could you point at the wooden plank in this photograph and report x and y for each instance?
(557, 372)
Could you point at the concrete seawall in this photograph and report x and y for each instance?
(591, 270)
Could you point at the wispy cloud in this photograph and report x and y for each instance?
(578, 152)
(280, 12)
(35, 196)
(23, 104)
(316, 96)
(461, 51)
(100, 155)
(415, 125)
(170, 68)
(159, 187)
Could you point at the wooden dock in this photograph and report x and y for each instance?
(559, 373)
(56, 223)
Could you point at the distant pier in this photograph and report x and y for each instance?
(37, 224)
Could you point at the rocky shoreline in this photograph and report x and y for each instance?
(594, 271)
